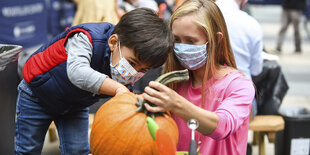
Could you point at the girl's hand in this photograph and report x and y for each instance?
(162, 96)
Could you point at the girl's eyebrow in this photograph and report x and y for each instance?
(187, 37)
(191, 37)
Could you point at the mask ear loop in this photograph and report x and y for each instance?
(127, 64)
(120, 52)
(119, 49)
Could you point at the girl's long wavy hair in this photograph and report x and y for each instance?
(206, 14)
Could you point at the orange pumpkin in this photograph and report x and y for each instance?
(119, 129)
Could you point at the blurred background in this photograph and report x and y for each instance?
(31, 23)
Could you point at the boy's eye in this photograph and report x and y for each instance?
(143, 70)
(132, 63)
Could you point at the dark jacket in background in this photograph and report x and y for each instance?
(294, 4)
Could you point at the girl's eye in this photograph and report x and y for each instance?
(177, 40)
(190, 41)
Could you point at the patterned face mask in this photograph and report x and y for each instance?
(191, 57)
(123, 72)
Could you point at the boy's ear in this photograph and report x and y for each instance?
(113, 42)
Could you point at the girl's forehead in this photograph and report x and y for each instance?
(185, 18)
(186, 25)
(187, 21)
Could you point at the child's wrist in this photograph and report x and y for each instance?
(121, 90)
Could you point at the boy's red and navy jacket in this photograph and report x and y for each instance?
(46, 70)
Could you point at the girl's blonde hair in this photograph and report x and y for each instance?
(208, 16)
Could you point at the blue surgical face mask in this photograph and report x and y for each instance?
(123, 72)
(191, 57)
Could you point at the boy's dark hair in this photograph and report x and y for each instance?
(147, 34)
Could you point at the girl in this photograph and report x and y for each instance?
(217, 95)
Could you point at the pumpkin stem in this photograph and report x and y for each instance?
(139, 103)
(174, 76)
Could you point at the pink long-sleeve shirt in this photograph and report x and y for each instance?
(230, 98)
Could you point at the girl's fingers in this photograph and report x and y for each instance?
(160, 87)
(153, 100)
(153, 109)
(160, 95)
(152, 92)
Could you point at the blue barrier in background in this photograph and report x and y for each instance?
(31, 23)
(60, 15)
(23, 22)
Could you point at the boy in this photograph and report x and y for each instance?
(73, 71)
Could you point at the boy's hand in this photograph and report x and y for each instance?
(121, 90)
(111, 87)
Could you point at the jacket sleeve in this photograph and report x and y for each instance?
(79, 50)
